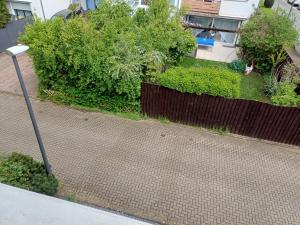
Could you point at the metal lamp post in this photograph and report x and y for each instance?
(291, 8)
(13, 52)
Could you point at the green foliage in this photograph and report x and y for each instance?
(286, 95)
(4, 15)
(237, 65)
(220, 130)
(212, 81)
(70, 196)
(252, 87)
(277, 58)
(76, 97)
(23, 172)
(107, 55)
(264, 35)
(73, 6)
(269, 3)
(270, 85)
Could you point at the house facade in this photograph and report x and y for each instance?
(43, 9)
(221, 18)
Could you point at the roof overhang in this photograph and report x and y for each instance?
(192, 13)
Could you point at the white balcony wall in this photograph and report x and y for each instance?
(238, 8)
(53, 6)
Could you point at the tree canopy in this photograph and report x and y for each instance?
(264, 35)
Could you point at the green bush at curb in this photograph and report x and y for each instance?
(22, 171)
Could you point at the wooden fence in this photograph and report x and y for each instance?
(245, 117)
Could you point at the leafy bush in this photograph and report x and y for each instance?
(286, 95)
(75, 97)
(269, 3)
(237, 65)
(212, 81)
(4, 15)
(23, 172)
(109, 53)
(264, 35)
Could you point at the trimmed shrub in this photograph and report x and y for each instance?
(269, 3)
(4, 15)
(212, 81)
(264, 35)
(22, 171)
(286, 95)
(237, 65)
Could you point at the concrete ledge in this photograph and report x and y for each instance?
(21, 207)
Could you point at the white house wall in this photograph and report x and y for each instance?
(50, 6)
(238, 8)
(53, 6)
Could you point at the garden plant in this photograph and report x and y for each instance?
(264, 39)
(24, 172)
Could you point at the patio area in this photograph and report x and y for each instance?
(219, 52)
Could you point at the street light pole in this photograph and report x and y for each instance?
(291, 8)
(43, 11)
(13, 51)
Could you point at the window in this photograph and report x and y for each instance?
(21, 14)
(226, 24)
(201, 21)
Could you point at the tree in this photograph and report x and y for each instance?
(4, 15)
(264, 35)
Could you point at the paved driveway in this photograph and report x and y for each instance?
(8, 77)
(169, 173)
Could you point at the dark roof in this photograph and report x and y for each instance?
(62, 13)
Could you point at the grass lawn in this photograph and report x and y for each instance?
(251, 86)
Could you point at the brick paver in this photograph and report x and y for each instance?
(8, 77)
(169, 173)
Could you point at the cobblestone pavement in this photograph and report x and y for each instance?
(8, 77)
(168, 173)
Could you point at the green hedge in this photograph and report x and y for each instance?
(107, 53)
(212, 81)
(24, 172)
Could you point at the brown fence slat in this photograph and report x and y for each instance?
(245, 117)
